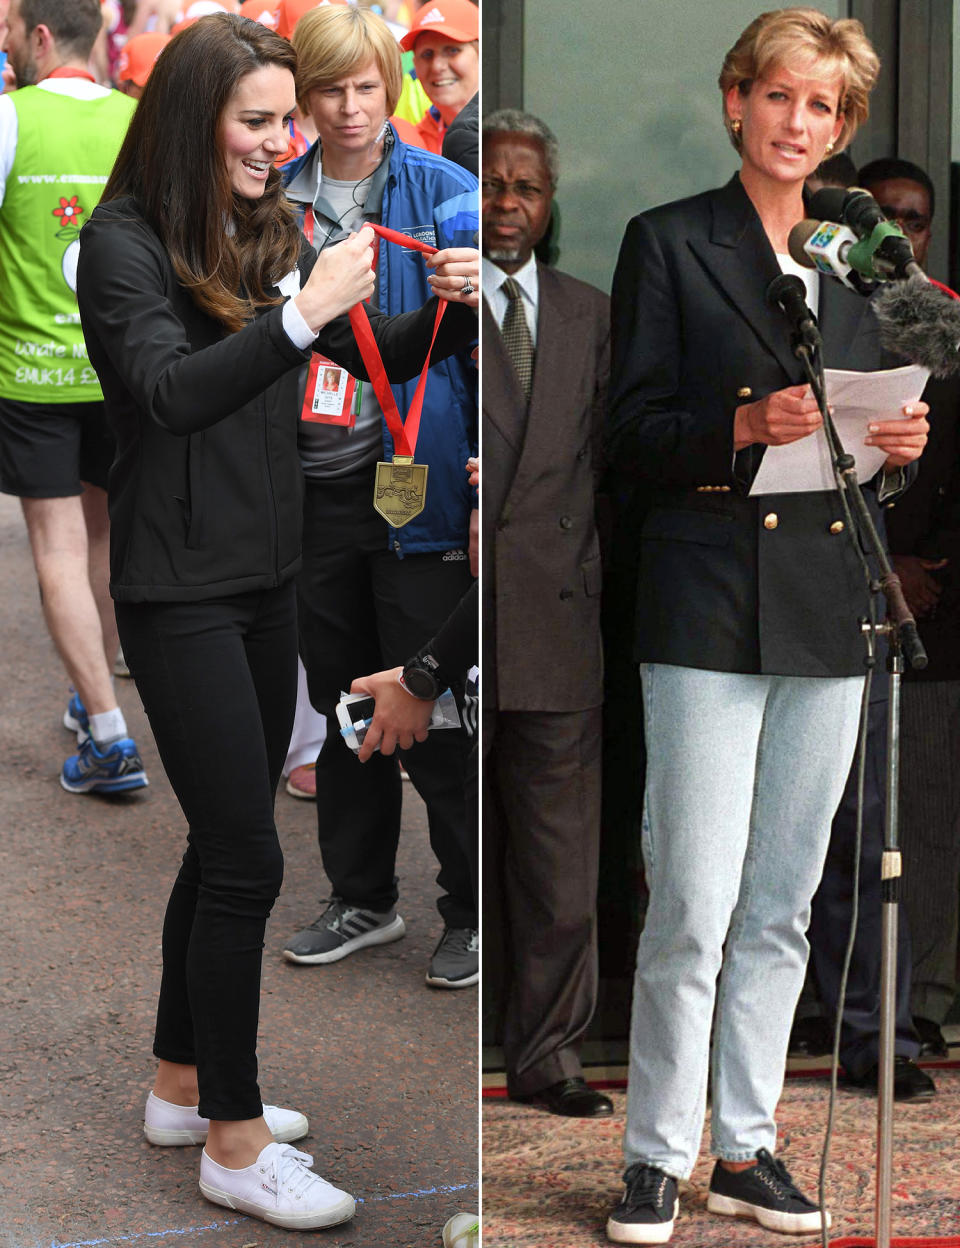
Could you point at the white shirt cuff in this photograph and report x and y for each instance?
(295, 327)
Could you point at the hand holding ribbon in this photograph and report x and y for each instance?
(341, 278)
(456, 275)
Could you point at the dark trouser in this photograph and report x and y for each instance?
(930, 835)
(362, 610)
(542, 809)
(830, 918)
(218, 681)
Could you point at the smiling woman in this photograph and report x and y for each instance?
(200, 305)
(446, 55)
(253, 132)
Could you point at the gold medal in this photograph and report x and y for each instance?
(400, 490)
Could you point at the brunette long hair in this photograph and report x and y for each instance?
(171, 162)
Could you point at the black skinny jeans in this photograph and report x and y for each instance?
(218, 681)
(361, 610)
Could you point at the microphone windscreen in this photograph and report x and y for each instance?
(785, 290)
(827, 203)
(920, 323)
(801, 233)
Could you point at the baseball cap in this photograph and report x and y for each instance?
(262, 11)
(137, 57)
(199, 8)
(458, 19)
(289, 13)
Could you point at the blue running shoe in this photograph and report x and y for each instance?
(76, 719)
(119, 767)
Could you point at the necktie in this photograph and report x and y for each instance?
(516, 335)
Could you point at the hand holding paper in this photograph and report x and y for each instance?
(868, 412)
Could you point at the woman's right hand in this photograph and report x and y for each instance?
(341, 277)
(782, 417)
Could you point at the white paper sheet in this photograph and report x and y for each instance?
(858, 400)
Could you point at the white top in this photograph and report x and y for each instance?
(809, 277)
(492, 278)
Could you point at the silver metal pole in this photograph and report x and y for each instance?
(890, 874)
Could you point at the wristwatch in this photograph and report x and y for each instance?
(419, 678)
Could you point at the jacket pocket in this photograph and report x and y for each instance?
(592, 571)
(708, 528)
(196, 446)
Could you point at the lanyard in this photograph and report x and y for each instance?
(404, 434)
(64, 71)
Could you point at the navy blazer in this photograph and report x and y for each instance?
(727, 582)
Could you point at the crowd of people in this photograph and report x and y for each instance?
(209, 434)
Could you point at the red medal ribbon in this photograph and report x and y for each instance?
(64, 71)
(404, 434)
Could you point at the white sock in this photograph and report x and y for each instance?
(107, 727)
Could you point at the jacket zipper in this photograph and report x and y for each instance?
(273, 497)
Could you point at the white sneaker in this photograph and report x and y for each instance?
(164, 1123)
(279, 1187)
(461, 1231)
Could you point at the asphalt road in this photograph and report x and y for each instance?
(384, 1067)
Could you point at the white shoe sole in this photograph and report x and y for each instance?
(786, 1223)
(343, 1211)
(642, 1232)
(167, 1137)
(436, 981)
(379, 936)
(133, 780)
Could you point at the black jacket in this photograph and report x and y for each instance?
(727, 582)
(206, 487)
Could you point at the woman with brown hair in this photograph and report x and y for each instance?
(752, 660)
(199, 304)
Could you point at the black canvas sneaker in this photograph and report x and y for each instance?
(649, 1206)
(765, 1193)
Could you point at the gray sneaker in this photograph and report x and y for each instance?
(340, 930)
(456, 960)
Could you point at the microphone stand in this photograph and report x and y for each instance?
(901, 631)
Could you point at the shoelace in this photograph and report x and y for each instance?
(776, 1174)
(334, 913)
(645, 1184)
(462, 939)
(290, 1169)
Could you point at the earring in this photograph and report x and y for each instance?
(828, 150)
(736, 126)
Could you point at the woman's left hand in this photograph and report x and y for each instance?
(903, 440)
(455, 268)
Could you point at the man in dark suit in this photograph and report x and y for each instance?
(546, 359)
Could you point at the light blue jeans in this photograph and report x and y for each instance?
(744, 774)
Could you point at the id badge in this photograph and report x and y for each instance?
(332, 396)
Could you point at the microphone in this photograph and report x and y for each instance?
(788, 293)
(883, 251)
(826, 246)
(921, 324)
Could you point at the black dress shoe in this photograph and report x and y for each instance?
(932, 1042)
(572, 1098)
(910, 1083)
(810, 1037)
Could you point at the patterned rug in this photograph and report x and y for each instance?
(550, 1182)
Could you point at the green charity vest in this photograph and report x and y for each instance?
(43, 358)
